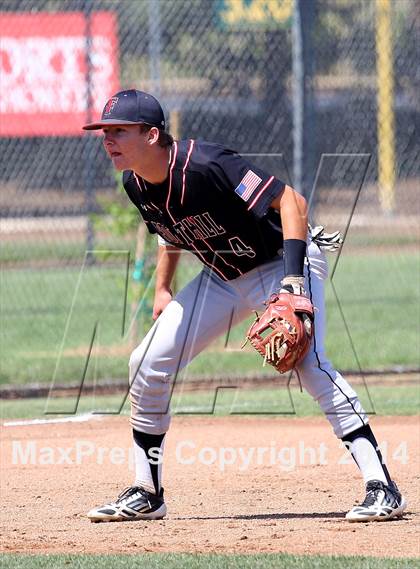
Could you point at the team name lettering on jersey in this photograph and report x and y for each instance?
(165, 233)
(201, 226)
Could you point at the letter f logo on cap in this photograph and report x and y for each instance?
(110, 105)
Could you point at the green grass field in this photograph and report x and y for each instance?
(386, 399)
(184, 561)
(377, 293)
(44, 310)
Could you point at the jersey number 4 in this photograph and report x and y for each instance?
(240, 249)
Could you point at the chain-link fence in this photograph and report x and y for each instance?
(226, 71)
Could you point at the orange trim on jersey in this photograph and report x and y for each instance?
(137, 180)
(170, 181)
(209, 264)
(257, 197)
(225, 262)
(184, 168)
(145, 188)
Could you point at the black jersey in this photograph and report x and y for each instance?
(215, 204)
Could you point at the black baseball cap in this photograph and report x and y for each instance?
(130, 107)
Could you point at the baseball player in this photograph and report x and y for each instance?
(250, 232)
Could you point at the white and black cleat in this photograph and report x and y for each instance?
(134, 503)
(382, 502)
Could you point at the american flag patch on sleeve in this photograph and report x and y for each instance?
(247, 185)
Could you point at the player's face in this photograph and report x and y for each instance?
(125, 145)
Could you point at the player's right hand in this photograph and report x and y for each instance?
(162, 298)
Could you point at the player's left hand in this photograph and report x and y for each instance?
(293, 284)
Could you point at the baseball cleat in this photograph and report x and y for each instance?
(382, 502)
(134, 503)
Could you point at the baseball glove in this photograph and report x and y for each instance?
(283, 332)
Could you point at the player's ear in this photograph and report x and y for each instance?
(153, 135)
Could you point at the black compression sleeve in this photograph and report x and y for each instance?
(147, 442)
(294, 252)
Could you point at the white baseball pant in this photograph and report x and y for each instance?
(204, 310)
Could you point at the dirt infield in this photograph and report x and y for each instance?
(291, 497)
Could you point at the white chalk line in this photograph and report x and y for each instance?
(72, 419)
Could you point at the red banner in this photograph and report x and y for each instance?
(43, 71)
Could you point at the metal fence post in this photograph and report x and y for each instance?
(89, 150)
(154, 45)
(303, 96)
